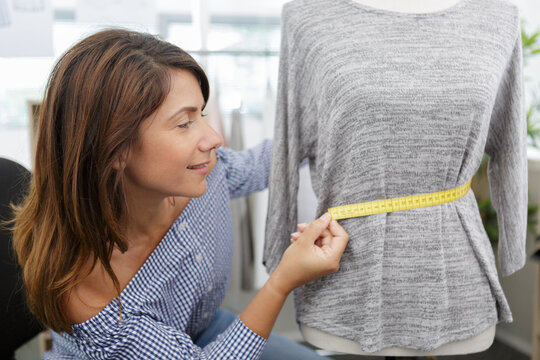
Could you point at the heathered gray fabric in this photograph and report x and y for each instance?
(388, 104)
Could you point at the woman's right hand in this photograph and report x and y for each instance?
(314, 253)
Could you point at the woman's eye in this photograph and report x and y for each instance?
(186, 124)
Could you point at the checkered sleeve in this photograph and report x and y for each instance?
(144, 338)
(247, 171)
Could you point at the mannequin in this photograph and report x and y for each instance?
(410, 6)
(347, 100)
(327, 341)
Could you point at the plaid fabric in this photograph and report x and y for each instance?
(173, 296)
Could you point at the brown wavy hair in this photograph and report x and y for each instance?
(97, 95)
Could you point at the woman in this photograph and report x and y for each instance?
(125, 238)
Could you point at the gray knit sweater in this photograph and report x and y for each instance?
(387, 104)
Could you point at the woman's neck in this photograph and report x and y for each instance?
(146, 222)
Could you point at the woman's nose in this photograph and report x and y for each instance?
(210, 138)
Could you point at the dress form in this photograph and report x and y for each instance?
(414, 6)
(327, 341)
(331, 342)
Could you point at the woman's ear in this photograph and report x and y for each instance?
(120, 163)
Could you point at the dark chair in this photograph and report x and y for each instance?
(17, 323)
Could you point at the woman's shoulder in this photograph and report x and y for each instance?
(97, 290)
(90, 296)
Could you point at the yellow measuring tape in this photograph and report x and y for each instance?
(398, 204)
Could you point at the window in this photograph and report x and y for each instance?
(240, 58)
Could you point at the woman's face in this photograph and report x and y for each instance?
(175, 151)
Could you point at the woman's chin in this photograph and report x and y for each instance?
(196, 192)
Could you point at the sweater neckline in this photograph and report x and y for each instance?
(372, 9)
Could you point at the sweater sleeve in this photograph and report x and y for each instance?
(141, 337)
(506, 147)
(246, 171)
(294, 139)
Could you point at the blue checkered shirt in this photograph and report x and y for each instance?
(173, 296)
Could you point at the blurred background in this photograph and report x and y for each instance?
(237, 42)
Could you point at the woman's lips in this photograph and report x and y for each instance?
(201, 169)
